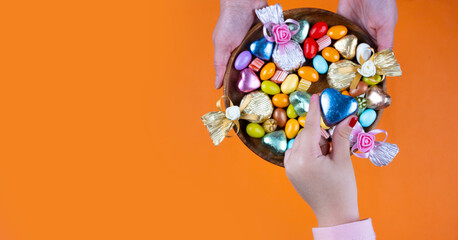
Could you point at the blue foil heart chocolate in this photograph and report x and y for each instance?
(336, 107)
(262, 49)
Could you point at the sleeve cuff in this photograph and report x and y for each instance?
(361, 230)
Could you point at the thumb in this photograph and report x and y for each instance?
(221, 58)
(341, 137)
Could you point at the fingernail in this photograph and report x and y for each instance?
(353, 121)
(313, 97)
(216, 82)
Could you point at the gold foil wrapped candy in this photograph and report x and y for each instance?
(345, 73)
(254, 107)
(346, 46)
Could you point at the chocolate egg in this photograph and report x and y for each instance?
(301, 120)
(291, 128)
(310, 48)
(243, 60)
(337, 32)
(330, 54)
(320, 65)
(308, 73)
(280, 100)
(270, 87)
(360, 89)
(267, 71)
(279, 115)
(290, 84)
(290, 112)
(318, 30)
(255, 130)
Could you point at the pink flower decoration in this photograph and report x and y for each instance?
(281, 33)
(365, 142)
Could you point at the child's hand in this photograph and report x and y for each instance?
(235, 19)
(324, 179)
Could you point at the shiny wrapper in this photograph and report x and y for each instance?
(259, 106)
(290, 58)
(341, 74)
(275, 142)
(287, 56)
(377, 98)
(269, 125)
(346, 46)
(214, 123)
(383, 153)
(386, 64)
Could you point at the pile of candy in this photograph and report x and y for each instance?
(275, 76)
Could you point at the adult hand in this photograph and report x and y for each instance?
(324, 179)
(378, 17)
(235, 19)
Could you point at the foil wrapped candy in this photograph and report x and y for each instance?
(287, 54)
(380, 153)
(345, 73)
(255, 107)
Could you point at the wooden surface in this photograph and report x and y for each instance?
(312, 15)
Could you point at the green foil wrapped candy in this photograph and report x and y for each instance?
(301, 35)
(275, 142)
(300, 101)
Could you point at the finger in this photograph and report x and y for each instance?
(341, 138)
(310, 136)
(222, 54)
(385, 37)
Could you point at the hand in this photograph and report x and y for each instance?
(378, 17)
(235, 19)
(324, 179)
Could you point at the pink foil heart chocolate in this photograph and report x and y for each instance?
(248, 81)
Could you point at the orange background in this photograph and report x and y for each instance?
(101, 138)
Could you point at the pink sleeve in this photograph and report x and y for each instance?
(361, 230)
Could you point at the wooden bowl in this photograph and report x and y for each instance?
(312, 15)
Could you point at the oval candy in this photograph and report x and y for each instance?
(308, 73)
(337, 32)
(330, 54)
(279, 115)
(291, 128)
(290, 84)
(360, 89)
(255, 130)
(290, 144)
(243, 60)
(320, 64)
(318, 30)
(270, 87)
(267, 71)
(310, 48)
(290, 112)
(280, 100)
(301, 120)
(374, 80)
(367, 117)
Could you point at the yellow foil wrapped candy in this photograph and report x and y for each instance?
(255, 107)
(345, 73)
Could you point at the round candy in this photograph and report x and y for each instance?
(318, 30)
(310, 48)
(372, 80)
(243, 60)
(291, 128)
(280, 100)
(367, 117)
(320, 65)
(301, 120)
(360, 89)
(267, 71)
(337, 32)
(279, 115)
(330, 54)
(269, 125)
(270, 87)
(290, 84)
(308, 73)
(255, 130)
(290, 143)
(290, 112)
